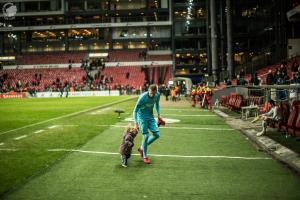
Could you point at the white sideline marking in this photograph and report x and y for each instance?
(55, 126)
(187, 109)
(200, 128)
(51, 127)
(221, 113)
(8, 149)
(100, 111)
(189, 115)
(1, 143)
(63, 116)
(21, 137)
(159, 155)
(167, 120)
(180, 128)
(39, 131)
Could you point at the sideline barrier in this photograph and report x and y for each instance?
(13, 95)
(79, 94)
(57, 94)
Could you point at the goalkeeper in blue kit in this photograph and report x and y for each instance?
(144, 119)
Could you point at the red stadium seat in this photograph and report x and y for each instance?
(290, 126)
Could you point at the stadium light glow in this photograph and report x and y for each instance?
(189, 14)
(97, 55)
(2, 58)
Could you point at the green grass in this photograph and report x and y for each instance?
(32, 156)
(14, 112)
(33, 172)
(231, 112)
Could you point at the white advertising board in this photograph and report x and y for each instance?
(79, 94)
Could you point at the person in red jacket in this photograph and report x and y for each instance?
(193, 96)
(200, 94)
(208, 97)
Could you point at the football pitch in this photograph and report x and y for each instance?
(67, 149)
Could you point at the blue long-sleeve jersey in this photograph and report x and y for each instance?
(143, 109)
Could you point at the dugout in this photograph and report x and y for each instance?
(183, 80)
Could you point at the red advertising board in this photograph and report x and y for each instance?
(13, 95)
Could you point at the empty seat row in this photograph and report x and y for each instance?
(232, 101)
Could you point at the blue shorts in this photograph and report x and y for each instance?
(148, 124)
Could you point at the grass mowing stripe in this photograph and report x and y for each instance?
(161, 155)
(68, 115)
(180, 128)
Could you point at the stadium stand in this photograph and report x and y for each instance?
(40, 78)
(159, 57)
(51, 58)
(117, 56)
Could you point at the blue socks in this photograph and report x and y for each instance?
(147, 140)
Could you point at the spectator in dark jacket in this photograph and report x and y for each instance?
(270, 78)
(254, 79)
(295, 67)
(296, 79)
(240, 80)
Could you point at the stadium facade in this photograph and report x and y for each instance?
(201, 36)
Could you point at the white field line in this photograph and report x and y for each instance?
(67, 125)
(160, 155)
(21, 137)
(179, 128)
(188, 115)
(221, 113)
(8, 149)
(1, 143)
(100, 111)
(51, 127)
(185, 109)
(39, 131)
(64, 116)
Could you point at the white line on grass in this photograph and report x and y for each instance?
(39, 131)
(64, 116)
(8, 149)
(180, 128)
(21, 137)
(221, 113)
(200, 128)
(1, 143)
(100, 111)
(68, 125)
(185, 109)
(51, 127)
(188, 115)
(159, 155)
